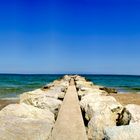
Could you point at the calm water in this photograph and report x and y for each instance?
(12, 85)
(122, 83)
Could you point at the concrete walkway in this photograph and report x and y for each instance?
(69, 124)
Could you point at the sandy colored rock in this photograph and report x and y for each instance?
(27, 111)
(92, 103)
(100, 120)
(101, 111)
(91, 91)
(79, 78)
(16, 128)
(53, 92)
(83, 84)
(67, 78)
(43, 102)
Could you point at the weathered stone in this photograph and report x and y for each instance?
(56, 92)
(124, 117)
(109, 90)
(43, 102)
(27, 111)
(92, 103)
(125, 132)
(79, 78)
(83, 84)
(48, 86)
(67, 78)
(16, 128)
(101, 119)
(53, 92)
(135, 112)
(91, 91)
(101, 111)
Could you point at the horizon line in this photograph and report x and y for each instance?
(69, 74)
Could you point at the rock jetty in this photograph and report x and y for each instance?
(71, 108)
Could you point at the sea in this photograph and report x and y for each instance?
(12, 85)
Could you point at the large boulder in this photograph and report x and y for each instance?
(83, 84)
(43, 102)
(57, 90)
(85, 91)
(135, 112)
(25, 122)
(53, 93)
(91, 103)
(37, 93)
(48, 86)
(101, 119)
(101, 115)
(18, 128)
(60, 91)
(67, 78)
(101, 112)
(79, 78)
(27, 111)
(125, 132)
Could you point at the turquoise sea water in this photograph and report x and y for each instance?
(11, 85)
(124, 83)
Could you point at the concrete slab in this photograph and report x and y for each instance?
(69, 124)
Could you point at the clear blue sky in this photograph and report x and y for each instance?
(70, 36)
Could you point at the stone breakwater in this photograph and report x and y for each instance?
(34, 117)
(104, 118)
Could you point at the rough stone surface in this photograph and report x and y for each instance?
(124, 117)
(15, 128)
(79, 78)
(91, 91)
(135, 112)
(126, 132)
(109, 90)
(100, 120)
(101, 112)
(27, 111)
(92, 103)
(83, 84)
(44, 102)
(53, 92)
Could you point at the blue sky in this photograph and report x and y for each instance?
(70, 36)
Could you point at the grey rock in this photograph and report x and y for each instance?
(124, 117)
(109, 90)
(124, 132)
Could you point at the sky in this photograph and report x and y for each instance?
(70, 36)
